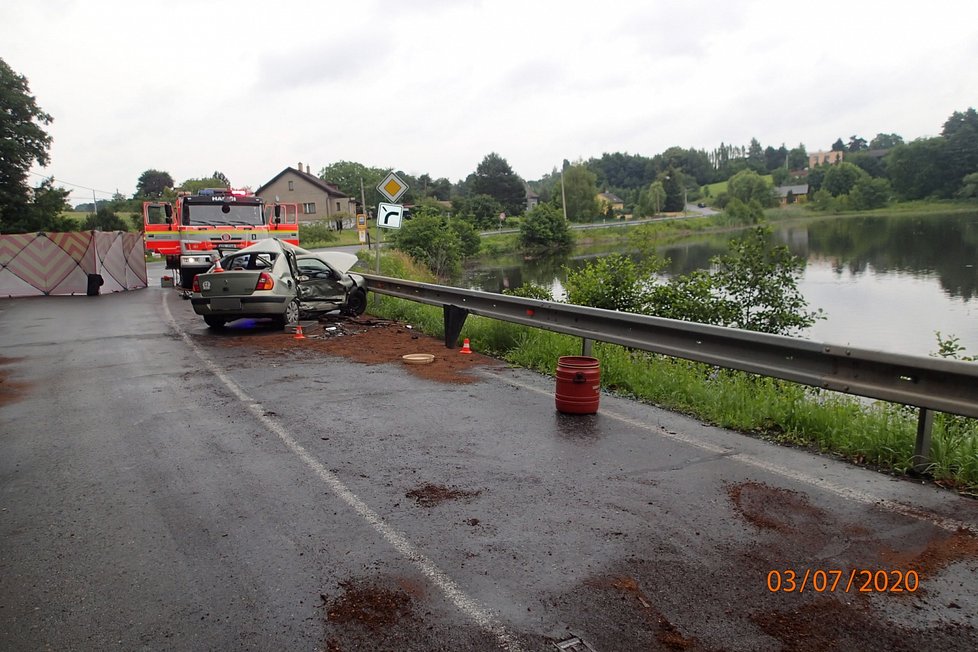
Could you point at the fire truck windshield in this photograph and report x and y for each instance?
(223, 214)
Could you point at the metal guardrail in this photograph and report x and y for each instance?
(927, 383)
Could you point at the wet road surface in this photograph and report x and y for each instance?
(165, 487)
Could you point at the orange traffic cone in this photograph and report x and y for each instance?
(217, 266)
(465, 346)
(298, 333)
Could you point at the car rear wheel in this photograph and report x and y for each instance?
(356, 303)
(215, 322)
(291, 315)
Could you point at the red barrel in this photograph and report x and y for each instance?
(578, 384)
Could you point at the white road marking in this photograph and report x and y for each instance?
(467, 605)
(848, 493)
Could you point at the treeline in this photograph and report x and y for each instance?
(872, 173)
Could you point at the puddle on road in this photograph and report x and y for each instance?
(775, 508)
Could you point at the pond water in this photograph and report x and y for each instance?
(885, 283)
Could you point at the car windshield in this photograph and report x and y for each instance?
(221, 214)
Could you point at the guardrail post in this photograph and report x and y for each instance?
(586, 344)
(454, 320)
(921, 449)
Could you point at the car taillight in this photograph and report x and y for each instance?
(265, 282)
(196, 286)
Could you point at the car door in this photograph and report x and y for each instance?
(319, 283)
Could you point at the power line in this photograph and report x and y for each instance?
(68, 183)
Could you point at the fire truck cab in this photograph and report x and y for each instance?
(196, 229)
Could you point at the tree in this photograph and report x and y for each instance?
(23, 142)
(195, 185)
(856, 144)
(737, 212)
(104, 220)
(495, 178)
(885, 141)
(469, 241)
(798, 158)
(816, 176)
(673, 183)
(838, 146)
(544, 227)
(651, 200)
(917, 169)
(969, 187)
(872, 165)
(580, 191)
(755, 156)
(961, 154)
(869, 193)
(152, 183)
(41, 212)
(960, 121)
(748, 186)
(775, 159)
(481, 210)
(218, 175)
(841, 177)
(346, 176)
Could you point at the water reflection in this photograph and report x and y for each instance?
(885, 282)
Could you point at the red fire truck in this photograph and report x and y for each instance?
(196, 229)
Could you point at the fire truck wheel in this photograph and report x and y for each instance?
(214, 322)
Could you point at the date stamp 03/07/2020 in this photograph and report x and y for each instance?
(859, 580)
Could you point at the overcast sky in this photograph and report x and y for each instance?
(432, 86)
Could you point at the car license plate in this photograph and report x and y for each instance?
(226, 249)
(225, 303)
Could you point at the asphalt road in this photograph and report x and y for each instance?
(164, 489)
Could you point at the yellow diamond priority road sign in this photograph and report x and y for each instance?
(392, 187)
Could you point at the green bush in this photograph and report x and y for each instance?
(427, 240)
(612, 282)
(316, 234)
(530, 290)
(543, 228)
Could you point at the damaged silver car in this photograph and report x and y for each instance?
(274, 279)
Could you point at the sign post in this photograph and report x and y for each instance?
(389, 215)
(362, 227)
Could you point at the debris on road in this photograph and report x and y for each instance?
(429, 495)
(365, 339)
